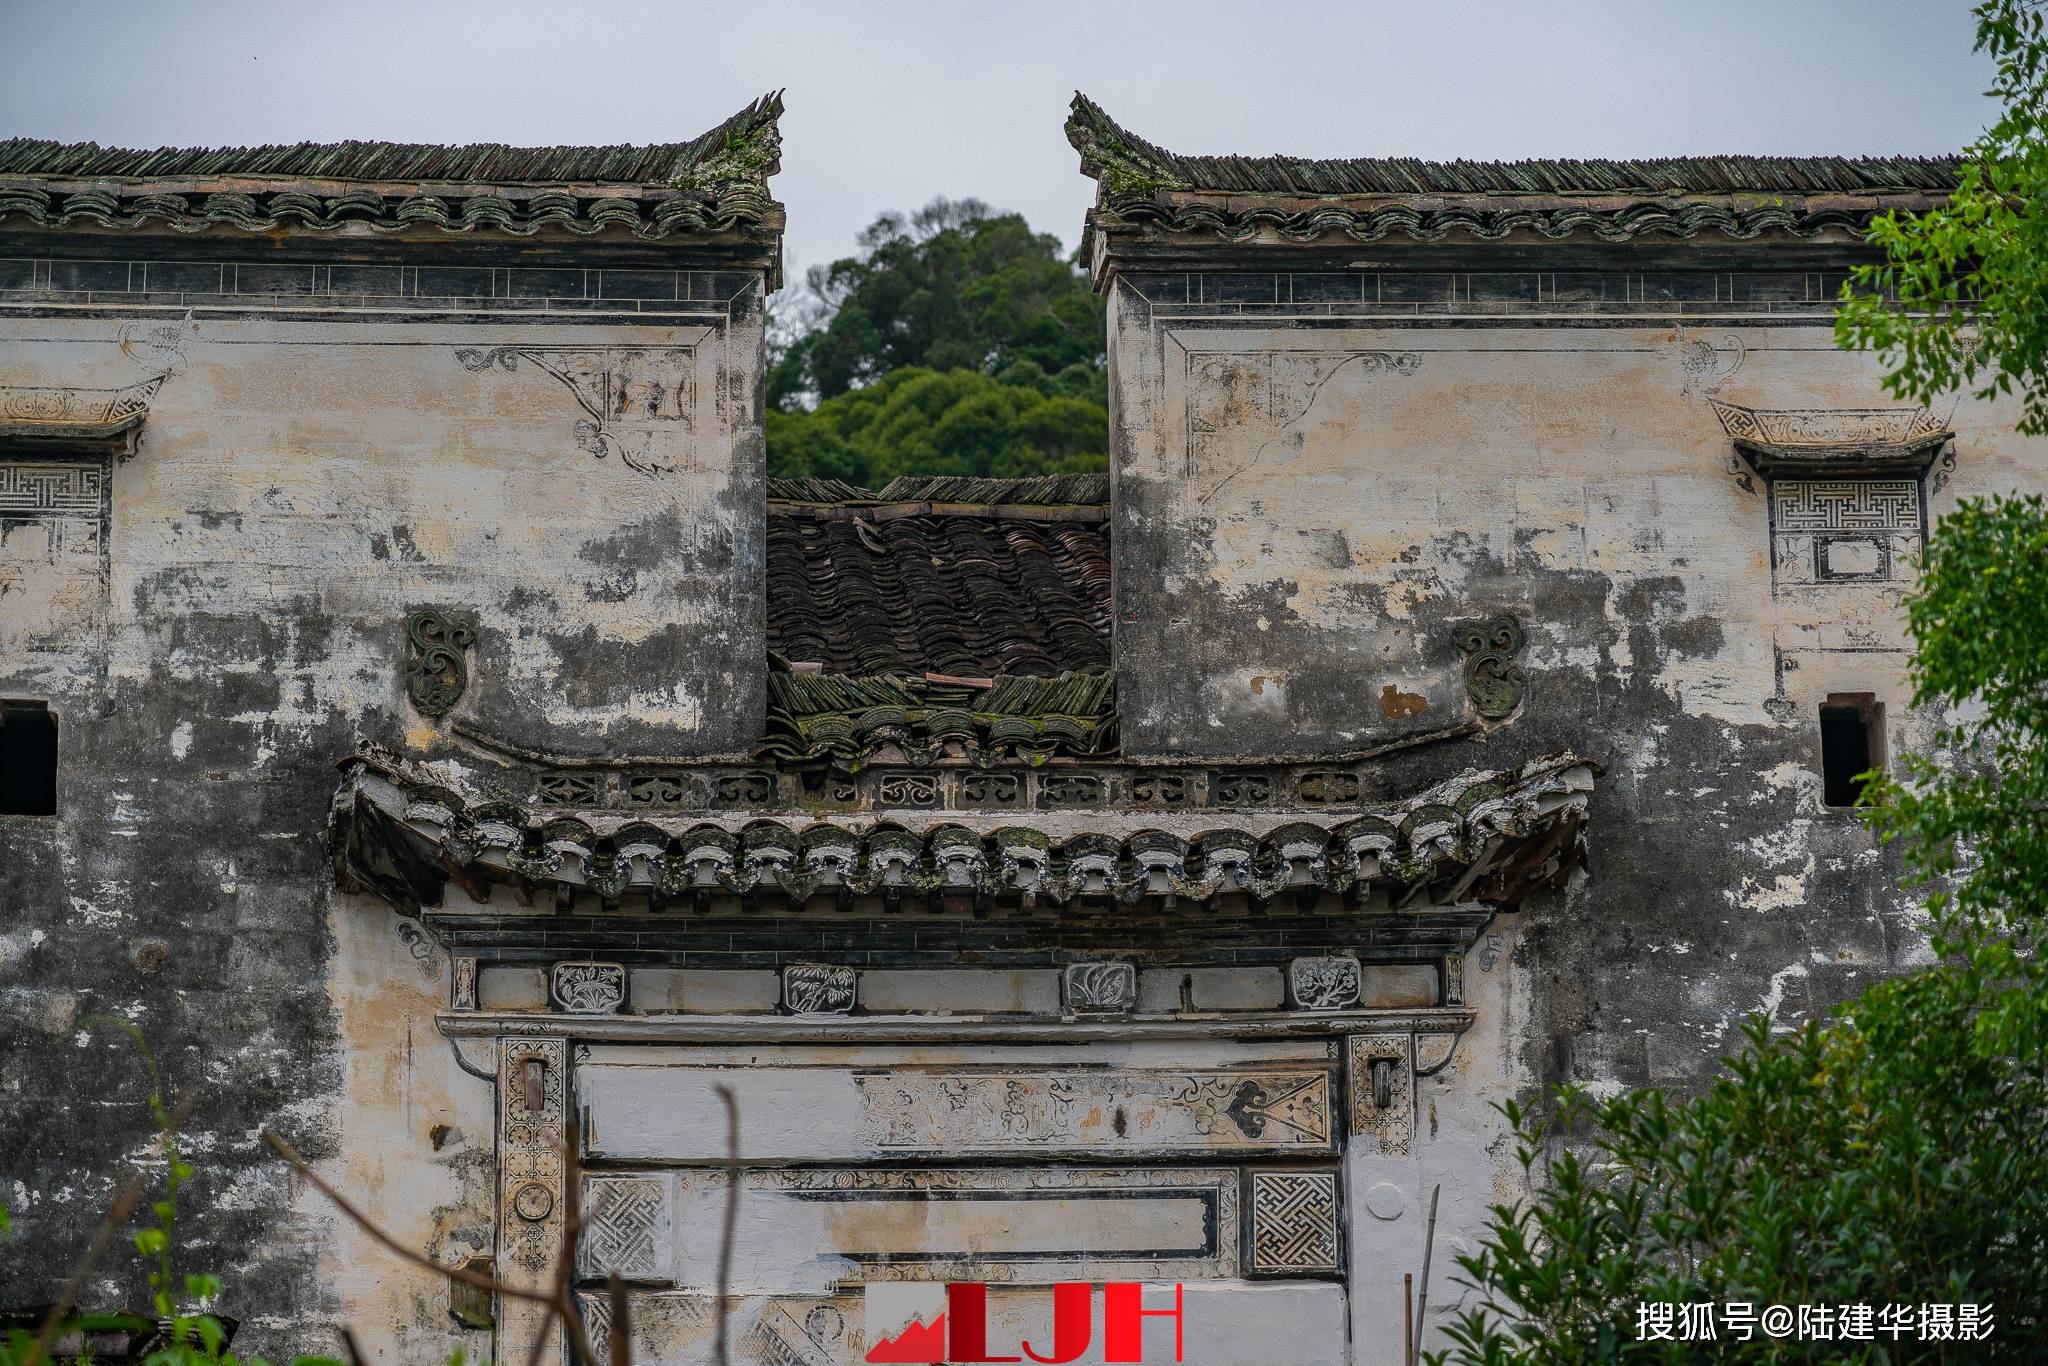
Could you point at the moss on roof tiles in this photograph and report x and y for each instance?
(744, 149)
(1125, 163)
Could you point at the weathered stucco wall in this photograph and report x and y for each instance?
(1322, 478)
(1317, 495)
(327, 448)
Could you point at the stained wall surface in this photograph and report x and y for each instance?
(570, 464)
(1323, 481)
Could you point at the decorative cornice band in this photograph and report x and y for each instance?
(1649, 219)
(1496, 836)
(737, 209)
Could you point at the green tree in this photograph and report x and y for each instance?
(1897, 1153)
(954, 286)
(918, 421)
(1961, 299)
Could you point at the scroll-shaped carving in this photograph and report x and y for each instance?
(641, 400)
(1492, 678)
(437, 672)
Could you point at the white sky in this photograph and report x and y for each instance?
(892, 104)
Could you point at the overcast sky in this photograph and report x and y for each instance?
(892, 104)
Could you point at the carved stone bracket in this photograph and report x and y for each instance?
(1492, 678)
(437, 671)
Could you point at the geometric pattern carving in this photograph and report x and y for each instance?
(1847, 504)
(1294, 1228)
(1382, 1078)
(626, 1227)
(1844, 530)
(63, 498)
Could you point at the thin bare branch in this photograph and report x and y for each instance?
(364, 1222)
(732, 1215)
(622, 1336)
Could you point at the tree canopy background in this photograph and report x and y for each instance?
(958, 341)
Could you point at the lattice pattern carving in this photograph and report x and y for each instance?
(1847, 504)
(64, 499)
(626, 1227)
(1294, 1224)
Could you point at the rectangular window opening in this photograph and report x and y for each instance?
(1851, 744)
(28, 759)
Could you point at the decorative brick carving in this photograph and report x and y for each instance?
(918, 790)
(571, 789)
(1454, 979)
(1492, 678)
(640, 400)
(628, 1228)
(1100, 988)
(1324, 983)
(532, 1086)
(1240, 788)
(1382, 1084)
(1069, 789)
(1005, 790)
(462, 984)
(437, 671)
(587, 988)
(65, 500)
(817, 989)
(1294, 1224)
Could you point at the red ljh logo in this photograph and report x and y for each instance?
(918, 1325)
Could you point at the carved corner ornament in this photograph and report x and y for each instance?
(639, 401)
(1492, 678)
(437, 671)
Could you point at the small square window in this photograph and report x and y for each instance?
(1851, 744)
(28, 759)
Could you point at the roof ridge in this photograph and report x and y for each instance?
(742, 149)
(1127, 165)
